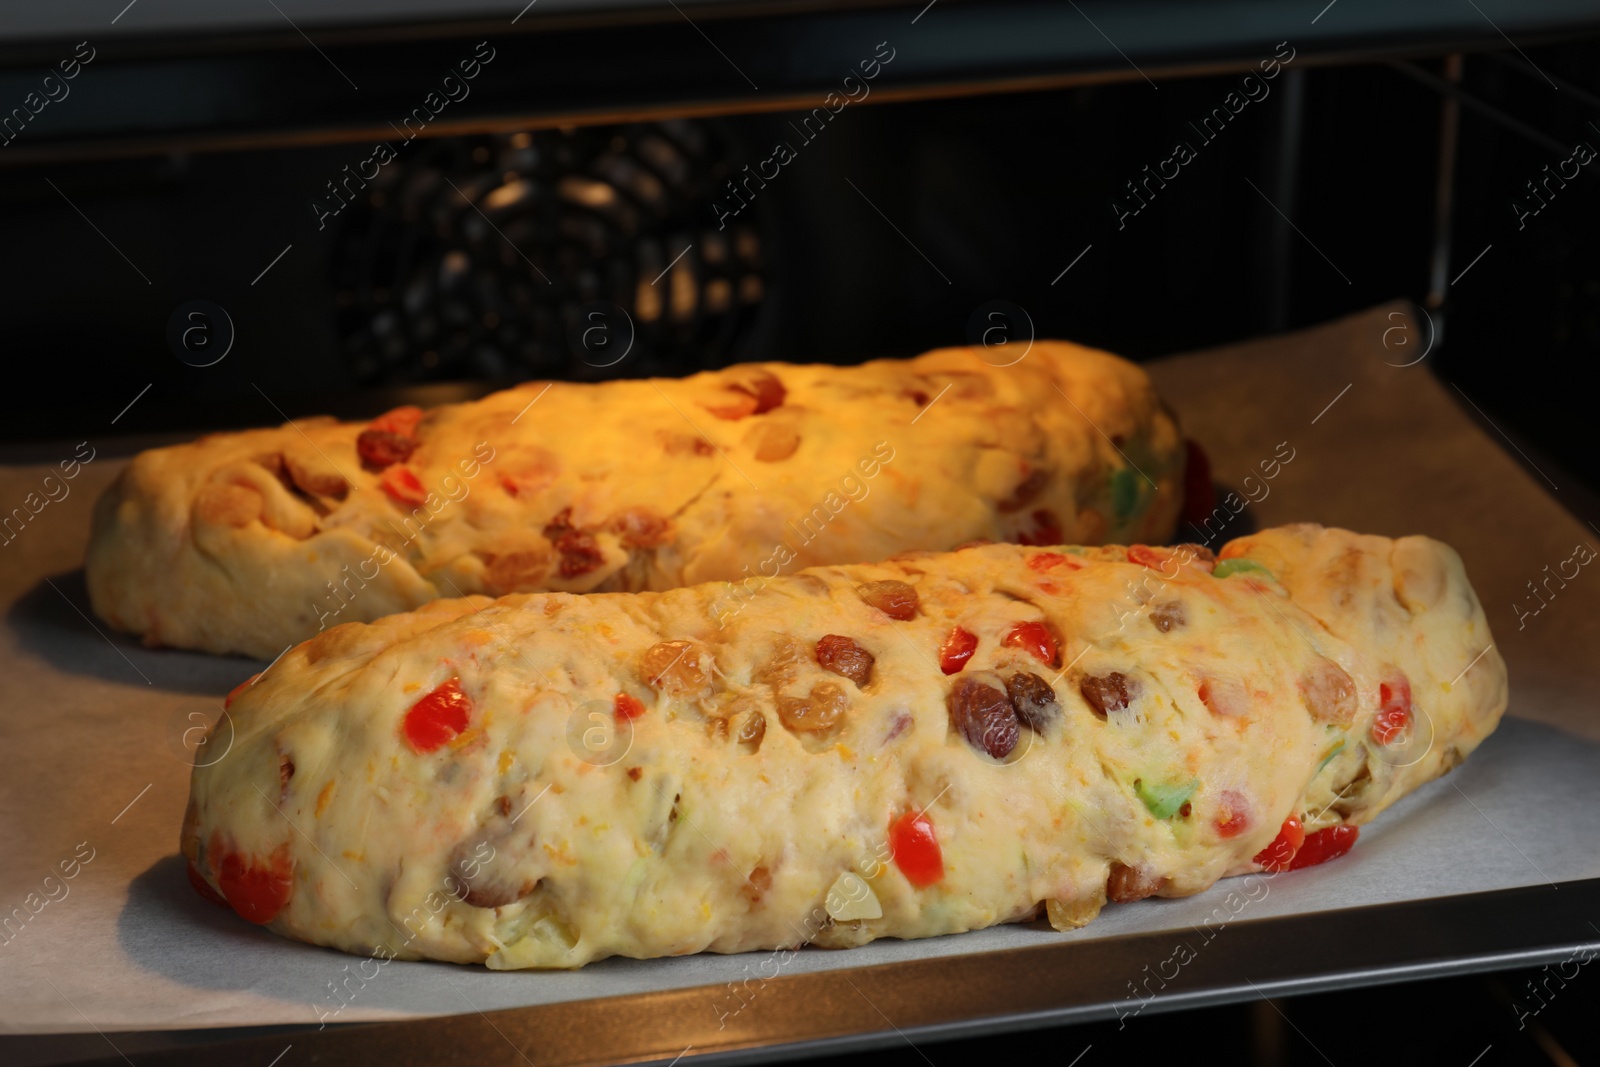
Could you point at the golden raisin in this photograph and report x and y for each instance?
(782, 665)
(228, 505)
(751, 731)
(775, 442)
(844, 657)
(518, 571)
(316, 482)
(675, 668)
(1128, 884)
(756, 884)
(895, 599)
(1329, 693)
(817, 713)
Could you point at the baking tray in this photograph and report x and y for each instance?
(1472, 872)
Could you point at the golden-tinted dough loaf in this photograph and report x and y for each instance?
(248, 542)
(931, 744)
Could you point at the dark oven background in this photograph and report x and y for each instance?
(479, 260)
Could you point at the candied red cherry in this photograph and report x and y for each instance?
(257, 889)
(915, 849)
(1394, 712)
(403, 486)
(1324, 845)
(401, 420)
(1035, 639)
(1278, 855)
(438, 718)
(1145, 556)
(1234, 814)
(958, 647)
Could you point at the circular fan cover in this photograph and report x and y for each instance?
(490, 257)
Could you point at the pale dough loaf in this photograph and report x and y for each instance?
(248, 542)
(544, 780)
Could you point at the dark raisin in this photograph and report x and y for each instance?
(1046, 529)
(1128, 884)
(1196, 554)
(1169, 616)
(1027, 491)
(559, 524)
(766, 388)
(383, 448)
(579, 553)
(844, 657)
(641, 527)
(1186, 810)
(984, 717)
(285, 772)
(1034, 700)
(895, 599)
(1107, 693)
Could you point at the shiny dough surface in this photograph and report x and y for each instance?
(544, 780)
(248, 542)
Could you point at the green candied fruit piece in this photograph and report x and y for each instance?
(1126, 491)
(1165, 799)
(1230, 567)
(1334, 751)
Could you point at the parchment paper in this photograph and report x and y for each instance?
(91, 724)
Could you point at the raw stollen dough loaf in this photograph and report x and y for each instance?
(922, 746)
(248, 542)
